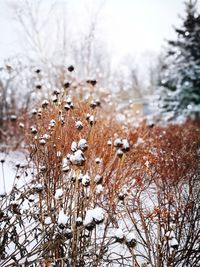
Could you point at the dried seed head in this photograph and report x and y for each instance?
(66, 85)
(98, 179)
(92, 82)
(130, 239)
(38, 86)
(119, 153)
(109, 143)
(31, 198)
(42, 141)
(90, 226)
(97, 160)
(17, 165)
(43, 168)
(79, 125)
(46, 136)
(33, 130)
(91, 120)
(79, 222)
(65, 165)
(125, 145)
(85, 180)
(38, 188)
(45, 103)
(13, 118)
(121, 196)
(67, 107)
(52, 123)
(39, 115)
(82, 144)
(119, 235)
(21, 125)
(56, 92)
(55, 98)
(68, 234)
(98, 102)
(37, 70)
(68, 100)
(87, 116)
(74, 146)
(77, 158)
(34, 111)
(70, 68)
(93, 104)
(118, 142)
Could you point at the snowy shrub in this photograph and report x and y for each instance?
(79, 202)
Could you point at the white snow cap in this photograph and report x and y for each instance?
(42, 141)
(52, 123)
(54, 98)
(99, 188)
(62, 217)
(85, 179)
(88, 217)
(38, 186)
(68, 100)
(125, 144)
(97, 160)
(79, 125)
(118, 142)
(130, 237)
(59, 193)
(34, 111)
(21, 125)
(109, 142)
(173, 243)
(119, 234)
(46, 136)
(47, 220)
(97, 178)
(119, 152)
(79, 219)
(65, 165)
(45, 102)
(74, 146)
(33, 129)
(82, 144)
(96, 214)
(77, 158)
(67, 106)
(91, 119)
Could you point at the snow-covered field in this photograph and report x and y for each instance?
(9, 170)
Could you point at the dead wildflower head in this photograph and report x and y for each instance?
(92, 82)
(70, 68)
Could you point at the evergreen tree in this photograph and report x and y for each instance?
(179, 85)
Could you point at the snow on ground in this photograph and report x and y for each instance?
(9, 170)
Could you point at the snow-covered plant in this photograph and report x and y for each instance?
(86, 204)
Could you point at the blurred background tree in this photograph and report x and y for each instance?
(179, 81)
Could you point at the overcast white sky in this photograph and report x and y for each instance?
(127, 26)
